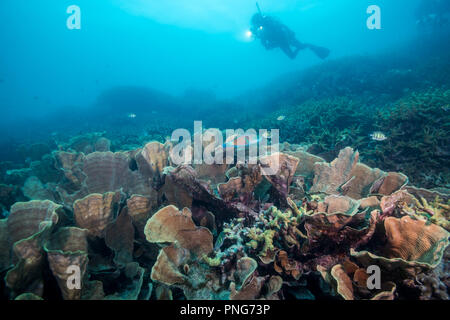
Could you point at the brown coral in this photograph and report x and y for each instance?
(329, 177)
(306, 163)
(241, 187)
(172, 225)
(106, 171)
(68, 248)
(285, 265)
(96, 211)
(362, 179)
(244, 269)
(350, 282)
(415, 240)
(140, 209)
(339, 220)
(250, 291)
(286, 167)
(274, 285)
(230, 189)
(332, 215)
(151, 160)
(71, 164)
(166, 269)
(411, 245)
(119, 237)
(184, 179)
(28, 218)
(213, 174)
(344, 284)
(390, 183)
(29, 226)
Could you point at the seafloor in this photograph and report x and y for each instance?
(136, 226)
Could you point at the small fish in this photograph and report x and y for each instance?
(446, 108)
(281, 118)
(266, 134)
(219, 241)
(132, 115)
(378, 136)
(239, 142)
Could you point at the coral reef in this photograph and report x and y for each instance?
(137, 227)
(415, 124)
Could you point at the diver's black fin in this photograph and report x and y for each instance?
(321, 52)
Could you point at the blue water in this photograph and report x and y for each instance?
(160, 59)
(170, 46)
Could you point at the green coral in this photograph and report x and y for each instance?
(265, 237)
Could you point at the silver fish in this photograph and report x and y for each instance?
(378, 136)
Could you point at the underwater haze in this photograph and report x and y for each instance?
(170, 46)
(224, 149)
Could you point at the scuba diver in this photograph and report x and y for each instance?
(274, 34)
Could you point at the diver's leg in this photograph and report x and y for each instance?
(321, 52)
(288, 51)
(299, 45)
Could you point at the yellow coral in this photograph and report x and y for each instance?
(441, 215)
(266, 237)
(437, 212)
(280, 218)
(253, 244)
(299, 212)
(268, 242)
(212, 262)
(299, 233)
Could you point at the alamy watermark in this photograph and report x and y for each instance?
(374, 20)
(74, 279)
(237, 147)
(74, 20)
(374, 280)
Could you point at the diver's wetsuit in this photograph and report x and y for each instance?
(274, 34)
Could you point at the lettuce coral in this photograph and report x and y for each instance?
(229, 232)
